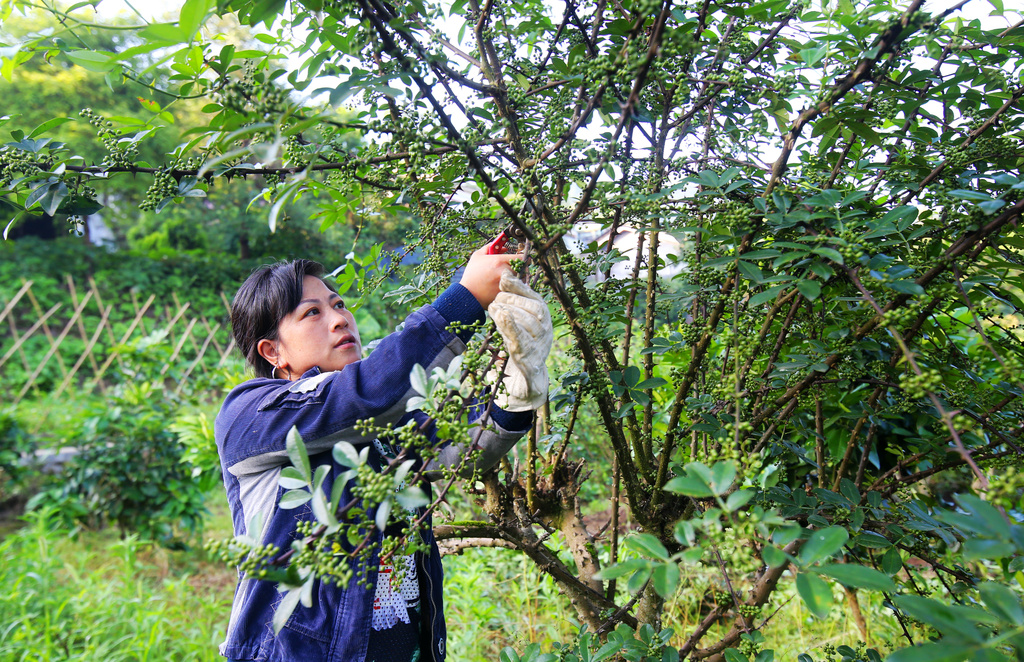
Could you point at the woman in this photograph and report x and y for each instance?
(303, 345)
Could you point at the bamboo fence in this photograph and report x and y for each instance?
(37, 356)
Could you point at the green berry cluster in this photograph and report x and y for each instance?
(1006, 489)
(253, 93)
(14, 161)
(898, 317)
(749, 611)
(646, 7)
(885, 107)
(749, 646)
(253, 560)
(121, 152)
(295, 153)
(918, 386)
(736, 215)
(784, 84)
(164, 186)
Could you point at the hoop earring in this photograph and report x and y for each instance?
(276, 368)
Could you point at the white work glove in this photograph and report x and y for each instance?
(524, 323)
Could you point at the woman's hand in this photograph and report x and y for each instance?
(522, 318)
(482, 276)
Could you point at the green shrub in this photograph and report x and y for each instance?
(13, 443)
(130, 470)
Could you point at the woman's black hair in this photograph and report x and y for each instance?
(264, 299)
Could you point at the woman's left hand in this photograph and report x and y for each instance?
(482, 276)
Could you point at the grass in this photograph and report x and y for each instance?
(99, 598)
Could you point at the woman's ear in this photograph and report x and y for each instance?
(268, 350)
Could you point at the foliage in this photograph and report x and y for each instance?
(839, 356)
(130, 470)
(13, 443)
(126, 278)
(101, 599)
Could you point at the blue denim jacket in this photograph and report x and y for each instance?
(324, 406)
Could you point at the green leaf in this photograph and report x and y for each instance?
(773, 556)
(322, 510)
(967, 194)
(193, 13)
(985, 519)
(291, 479)
(865, 132)
(733, 655)
(829, 253)
(346, 455)
(647, 544)
(823, 544)
(294, 499)
(892, 562)
(815, 592)
(858, 576)
(812, 55)
(903, 215)
(905, 287)
(872, 540)
(809, 288)
(1003, 602)
(666, 579)
(933, 652)
(750, 271)
(320, 475)
(723, 474)
(285, 608)
(618, 570)
(738, 499)
(952, 620)
(689, 486)
(164, 33)
(638, 579)
(49, 124)
(767, 295)
(652, 383)
(92, 60)
(383, 512)
(992, 206)
(978, 549)
(297, 453)
(48, 195)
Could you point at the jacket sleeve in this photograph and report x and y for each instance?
(491, 436)
(254, 421)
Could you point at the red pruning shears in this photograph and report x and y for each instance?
(507, 241)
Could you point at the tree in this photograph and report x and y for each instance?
(845, 183)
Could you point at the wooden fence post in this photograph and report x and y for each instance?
(110, 331)
(127, 335)
(14, 329)
(17, 297)
(177, 349)
(18, 343)
(226, 353)
(199, 358)
(53, 349)
(46, 330)
(87, 352)
(81, 326)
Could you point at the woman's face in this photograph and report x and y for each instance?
(320, 332)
